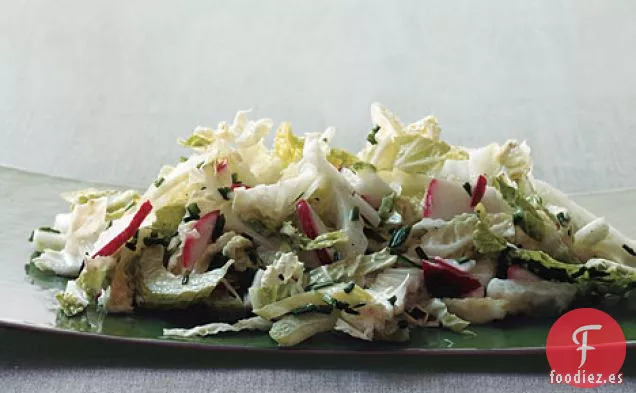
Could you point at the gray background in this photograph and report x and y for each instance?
(100, 90)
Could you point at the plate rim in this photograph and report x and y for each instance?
(157, 342)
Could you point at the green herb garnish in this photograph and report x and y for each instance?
(629, 250)
(371, 136)
(48, 229)
(392, 300)
(159, 182)
(468, 188)
(399, 237)
(320, 285)
(322, 309)
(421, 253)
(193, 211)
(225, 192)
(563, 218)
(218, 227)
(355, 214)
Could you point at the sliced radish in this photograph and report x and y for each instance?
(221, 166)
(444, 279)
(310, 224)
(122, 230)
(478, 190)
(445, 199)
(517, 273)
(197, 240)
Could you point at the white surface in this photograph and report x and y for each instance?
(100, 90)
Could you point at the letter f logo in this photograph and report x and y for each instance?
(584, 347)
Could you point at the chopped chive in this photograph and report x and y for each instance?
(304, 309)
(463, 260)
(335, 302)
(468, 188)
(129, 206)
(281, 277)
(218, 227)
(36, 254)
(110, 224)
(183, 159)
(563, 218)
(185, 279)
(131, 246)
(321, 285)
(349, 287)
(204, 188)
(224, 191)
(371, 136)
(336, 256)
(152, 241)
(359, 305)
(193, 210)
(49, 229)
(299, 196)
(159, 182)
(322, 309)
(355, 214)
(399, 237)
(235, 178)
(629, 250)
(199, 165)
(31, 236)
(421, 253)
(392, 300)
(351, 311)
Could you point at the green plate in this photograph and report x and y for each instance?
(27, 295)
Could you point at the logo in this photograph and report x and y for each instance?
(586, 348)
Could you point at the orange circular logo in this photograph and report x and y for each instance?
(586, 348)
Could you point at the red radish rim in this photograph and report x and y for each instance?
(428, 199)
(115, 243)
(221, 165)
(309, 227)
(440, 265)
(479, 190)
(205, 228)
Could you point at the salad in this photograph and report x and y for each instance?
(302, 238)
